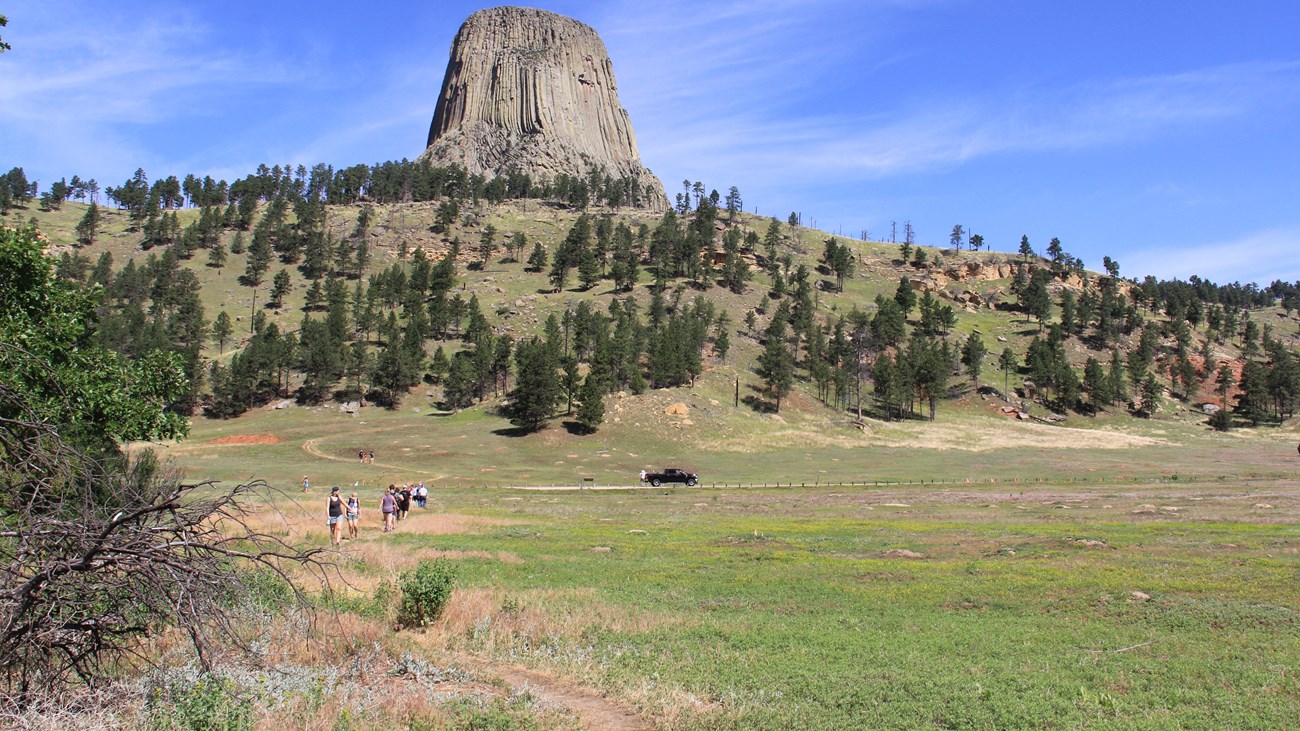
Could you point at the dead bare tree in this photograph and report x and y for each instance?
(99, 552)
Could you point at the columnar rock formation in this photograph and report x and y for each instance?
(532, 91)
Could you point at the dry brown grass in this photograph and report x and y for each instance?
(497, 621)
(988, 434)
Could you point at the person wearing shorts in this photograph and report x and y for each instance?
(336, 517)
(403, 502)
(353, 514)
(388, 506)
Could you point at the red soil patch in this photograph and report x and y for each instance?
(249, 439)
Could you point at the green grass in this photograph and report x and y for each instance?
(780, 610)
(805, 444)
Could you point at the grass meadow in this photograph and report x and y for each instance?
(1134, 606)
(1098, 575)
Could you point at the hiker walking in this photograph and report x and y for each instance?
(371, 455)
(361, 456)
(353, 515)
(403, 502)
(305, 483)
(388, 506)
(336, 517)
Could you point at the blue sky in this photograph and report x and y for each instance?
(1163, 134)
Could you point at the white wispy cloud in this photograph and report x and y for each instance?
(1258, 256)
(708, 84)
(936, 133)
(86, 80)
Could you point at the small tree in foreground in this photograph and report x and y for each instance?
(425, 592)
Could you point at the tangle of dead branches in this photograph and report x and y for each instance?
(98, 552)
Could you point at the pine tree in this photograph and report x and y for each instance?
(734, 203)
(315, 297)
(1038, 302)
(518, 243)
(888, 325)
(279, 288)
(722, 338)
(537, 385)
(1094, 382)
(486, 245)
(1150, 391)
(1026, 251)
(222, 328)
(1115, 384)
(776, 365)
(588, 269)
(771, 239)
(217, 256)
(88, 227)
(1252, 403)
(1223, 381)
(888, 385)
(259, 259)
(537, 258)
(320, 360)
(1006, 363)
(591, 405)
(972, 356)
(389, 376)
(357, 365)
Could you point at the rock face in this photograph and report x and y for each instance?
(532, 91)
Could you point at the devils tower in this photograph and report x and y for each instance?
(530, 91)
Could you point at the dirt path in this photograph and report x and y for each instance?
(310, 447)
(594, 712)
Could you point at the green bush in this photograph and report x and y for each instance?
(425, 592)
(1221, 420)
(210, 703)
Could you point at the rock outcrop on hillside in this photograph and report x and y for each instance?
(532, 91)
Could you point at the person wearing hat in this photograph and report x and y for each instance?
(336, 517)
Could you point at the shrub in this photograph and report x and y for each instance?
(210, 703)
(425, 592)
(1221, 420)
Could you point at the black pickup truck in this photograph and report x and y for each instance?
(672, 474)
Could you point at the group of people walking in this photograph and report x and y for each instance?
(341, 510)
(366, 455)
(394, 505)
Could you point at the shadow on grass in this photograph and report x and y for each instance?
(577, 429)
(761, 405)
(513, 431)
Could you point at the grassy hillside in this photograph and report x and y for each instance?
(805, 442)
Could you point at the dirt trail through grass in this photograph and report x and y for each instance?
(310, 447)
(594, 712)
